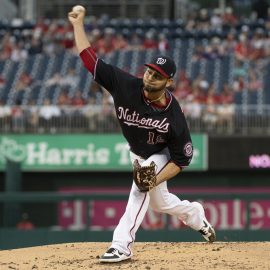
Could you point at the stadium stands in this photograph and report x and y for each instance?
(235, 57)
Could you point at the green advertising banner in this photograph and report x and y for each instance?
(79, 152)
(200, 153)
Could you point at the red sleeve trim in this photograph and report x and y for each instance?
(89, 59)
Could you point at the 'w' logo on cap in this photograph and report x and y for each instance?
(161, 61)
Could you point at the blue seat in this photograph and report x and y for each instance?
(29, 63)
(50, 91)
(238, 98)
(183, 53)
(253, 98)
(10, 76)
(267, 85)
(209, 71)
(34, 95)
(2, 64)
(42, 68)
(58, 61)
(83, 77)
(195, 70)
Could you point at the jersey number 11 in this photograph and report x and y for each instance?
(154, 139)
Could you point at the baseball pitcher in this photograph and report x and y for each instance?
(156, 131)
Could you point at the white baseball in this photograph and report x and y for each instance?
(78, 9)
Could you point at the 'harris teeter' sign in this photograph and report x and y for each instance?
(79, 152)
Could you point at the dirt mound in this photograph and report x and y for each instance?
(157, 255)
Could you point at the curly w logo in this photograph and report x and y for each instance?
(161, 61)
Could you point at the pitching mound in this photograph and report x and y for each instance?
(161, 256)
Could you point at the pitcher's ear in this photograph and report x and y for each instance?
(169, 82)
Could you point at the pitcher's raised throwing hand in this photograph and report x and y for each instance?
(76, 16)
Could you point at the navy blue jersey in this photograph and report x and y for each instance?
(147, 130)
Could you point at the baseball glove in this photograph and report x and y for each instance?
(144, 176)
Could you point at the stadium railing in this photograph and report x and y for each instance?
(221, 119)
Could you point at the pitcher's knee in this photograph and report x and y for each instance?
(155, 206)
(158, 205)
(197, 207)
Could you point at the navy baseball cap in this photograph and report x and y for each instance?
(164, 65)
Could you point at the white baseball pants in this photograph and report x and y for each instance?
(160, 200)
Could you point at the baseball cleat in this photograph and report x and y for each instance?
(113, 255)
(208, 232)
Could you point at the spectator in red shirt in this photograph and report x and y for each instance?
(229, 18)
(63, 98)
(106, 44)
(163, 44)
(2, 82)
(242, 48)
(6, 47)
(149, 41)
(257, 45)
(24, 81)
(25, 223)
(77, 100)
(226, 95)
(120, 42)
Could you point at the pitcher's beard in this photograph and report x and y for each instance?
(151, 89)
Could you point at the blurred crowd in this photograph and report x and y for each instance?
(108, 35)
(247, 40)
